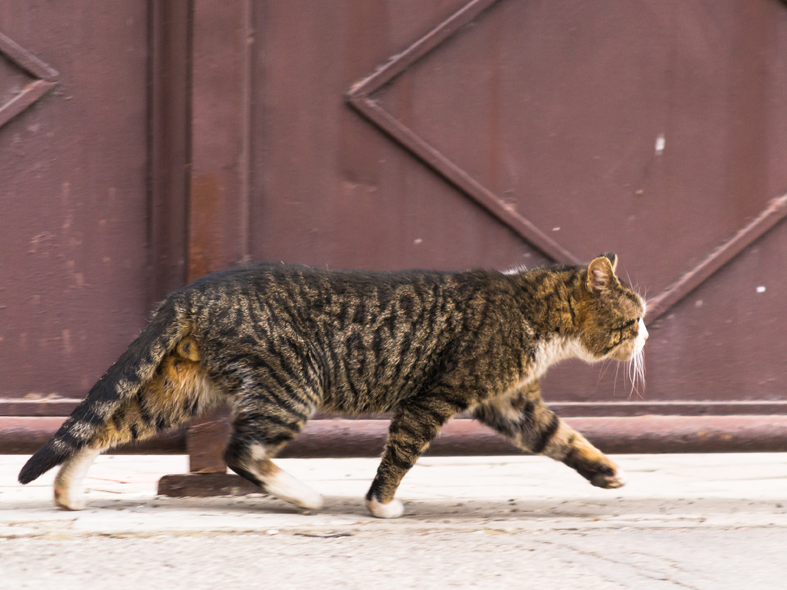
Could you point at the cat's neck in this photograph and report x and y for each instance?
(548, 299)
(553, 349)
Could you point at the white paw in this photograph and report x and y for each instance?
(394, 508)
(610, 482)
(68, 499)
(287, 488)
(312, 501)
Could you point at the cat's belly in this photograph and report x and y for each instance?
(359, 399)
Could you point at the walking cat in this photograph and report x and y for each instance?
(279, 343)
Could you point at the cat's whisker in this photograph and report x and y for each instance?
(636, 372)
(629, 369)
(652, 306)
(605, 364)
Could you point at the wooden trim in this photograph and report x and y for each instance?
(641, 434)
(38, 407)
(668, 408)
(169, 144)
(365, 438)
(25, 435)
(219, 203)
(60, 407)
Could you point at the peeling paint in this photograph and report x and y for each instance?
(67, 347)
(660, 144)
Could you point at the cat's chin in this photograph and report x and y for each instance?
(622, 354)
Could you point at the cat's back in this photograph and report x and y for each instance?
(307, 284)
(345, 302)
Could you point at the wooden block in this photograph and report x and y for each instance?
(205, 484)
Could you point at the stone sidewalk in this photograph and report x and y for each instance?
(683, 521)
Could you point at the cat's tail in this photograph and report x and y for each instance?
(135, 367)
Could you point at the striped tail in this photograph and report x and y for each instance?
(135, 367)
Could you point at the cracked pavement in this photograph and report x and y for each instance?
(683, 521)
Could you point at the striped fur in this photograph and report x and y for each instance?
(121, 383)
(279, 343)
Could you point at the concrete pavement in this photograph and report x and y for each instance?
(683, 521)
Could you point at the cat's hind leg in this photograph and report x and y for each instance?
(524, 419)
(260, 429)
(68, 483)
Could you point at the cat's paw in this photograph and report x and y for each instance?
(394, 508)
(285, 487)
(312, 501)
(609, 482)
(67, 499)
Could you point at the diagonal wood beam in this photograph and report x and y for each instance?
(400, 62)
(26, 60)
(773, 214)
(46, 78)
(24, 99)
(359, 96)
(462, 180)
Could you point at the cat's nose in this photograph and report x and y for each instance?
(643, 329)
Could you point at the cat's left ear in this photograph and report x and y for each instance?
(601, 273)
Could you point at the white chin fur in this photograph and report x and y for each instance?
(642, 336)
(394, 508)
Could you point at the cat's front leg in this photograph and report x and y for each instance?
(524, 419)
(415, 423)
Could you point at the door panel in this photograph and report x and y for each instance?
(327, 189)
(73, 278)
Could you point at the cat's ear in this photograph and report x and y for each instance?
(613, 259)
(601, 273)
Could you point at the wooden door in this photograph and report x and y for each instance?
(93, 181)
(149, 143)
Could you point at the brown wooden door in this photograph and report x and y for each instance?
(92, 187)
(403, 133)
(73, 170)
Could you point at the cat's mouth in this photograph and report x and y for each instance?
(625, 351)
(631, 349)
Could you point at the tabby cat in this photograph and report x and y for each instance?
(279, 343)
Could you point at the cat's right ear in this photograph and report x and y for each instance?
(601, 273)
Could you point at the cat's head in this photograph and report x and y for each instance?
(610, 315)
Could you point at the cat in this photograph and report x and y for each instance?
(279, 342)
